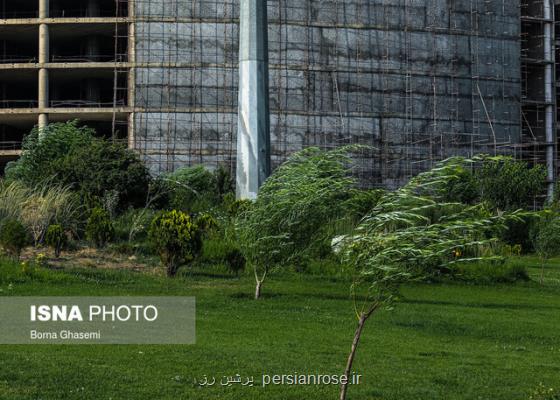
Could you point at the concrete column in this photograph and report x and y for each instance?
(43, 59)
(253, 137)
(131, 74)
(550, 117)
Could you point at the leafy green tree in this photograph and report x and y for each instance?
(70, 155)
(306, 193)
(176, 238)
(413, 233)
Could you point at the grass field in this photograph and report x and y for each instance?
(443, 341)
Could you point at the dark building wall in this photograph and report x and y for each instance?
(416, 80)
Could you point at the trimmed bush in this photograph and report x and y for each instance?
(56, 239)
(176, 238)
(13, 237)
(99, 228)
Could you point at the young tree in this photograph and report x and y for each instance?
(410, 234)
(547, 240)
(305, 194)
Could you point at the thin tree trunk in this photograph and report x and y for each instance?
(258, 290)
(259, 282)
(361, 323)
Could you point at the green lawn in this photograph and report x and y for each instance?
(443, 341)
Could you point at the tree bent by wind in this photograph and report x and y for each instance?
(308, 193)
(413, 233)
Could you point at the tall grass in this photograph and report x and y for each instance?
(37, 208)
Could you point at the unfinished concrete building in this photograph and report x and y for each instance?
(416, 80)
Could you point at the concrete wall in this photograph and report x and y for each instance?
(401, 75)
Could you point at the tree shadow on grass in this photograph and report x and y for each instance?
(491, 306)
(251, 296)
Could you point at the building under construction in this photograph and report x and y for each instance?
(417, 81)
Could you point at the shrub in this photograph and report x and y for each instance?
(176, 238)
(522, 232)
(56, 239)
(99, 228)
(207, 224)
(236, 208)
(507, 184)
(224, 181)
(133, 225)
(235, 261)
(191, 189)
(93, 167)
(13, 237)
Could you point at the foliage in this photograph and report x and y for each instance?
(236, 208)
(306, 193)
(97, 169)
(56, 239)
(507, 184)
(522, 232)
(547, 239)
(37, 208)
(235, 260)
(99, 228)
(176, 238)
(465, 188)
(361, 202)
(133, 225)
(207, 224)
(41, 260)
(13, 237)
(191, 189)
(46, 205)
(413, 233)
(224, 181)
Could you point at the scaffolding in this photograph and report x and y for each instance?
(415, 81)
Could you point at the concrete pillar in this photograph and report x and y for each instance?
(550, 95)
(44, 56)
(131, 74)
(253, 137)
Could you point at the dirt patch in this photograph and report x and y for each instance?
(89, 258)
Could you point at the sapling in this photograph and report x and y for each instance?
(547, 241)
(413, 233)
(287, 220)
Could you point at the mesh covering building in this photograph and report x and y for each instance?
(418, 81)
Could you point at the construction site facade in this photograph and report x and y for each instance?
(415, 80)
